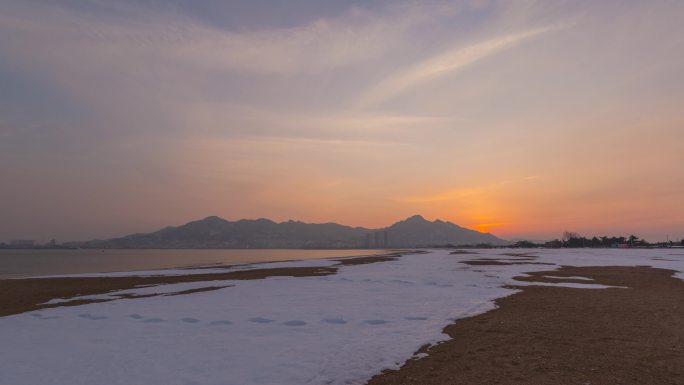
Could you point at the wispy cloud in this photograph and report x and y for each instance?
(464, 193)
(298, 142)
(447, 63)
(320, 45)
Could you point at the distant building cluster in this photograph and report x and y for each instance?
(22, 242)
(377, 239)
(32, 244)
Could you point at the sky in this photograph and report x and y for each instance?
(520, 118)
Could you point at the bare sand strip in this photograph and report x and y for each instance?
(556, 335)
(22, 295)
(509, 259)
(502, 262)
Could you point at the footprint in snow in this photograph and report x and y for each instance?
(136, 316)
(294, 323)
(261, 320)
(336, 321)
(220, 322)
(416, 318)
(375, 322)
(41, 316)
(92, 317)
(190, 320)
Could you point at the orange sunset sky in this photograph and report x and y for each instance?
(520, 118)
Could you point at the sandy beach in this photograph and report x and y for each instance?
(344, 192)
(23, 295)
(559, 335)
(481, 317)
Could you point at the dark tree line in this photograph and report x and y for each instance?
(574, 240)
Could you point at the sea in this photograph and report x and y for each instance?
(24, 263)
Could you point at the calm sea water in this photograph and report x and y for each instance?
(33, 263)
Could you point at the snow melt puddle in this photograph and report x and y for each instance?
(338, 329)
(573, 277)
(569, 284)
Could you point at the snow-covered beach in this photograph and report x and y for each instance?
(340, 328)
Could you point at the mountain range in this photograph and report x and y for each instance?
(215, 232)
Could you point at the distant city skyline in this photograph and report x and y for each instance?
(519, 118)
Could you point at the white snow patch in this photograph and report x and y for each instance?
(200, 270)
(338, 329)
(161, 289)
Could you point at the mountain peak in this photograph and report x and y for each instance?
(212, 218)
(416, 218)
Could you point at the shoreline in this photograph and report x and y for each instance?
(20, 295)
(561, 335)
(384, 313)
(43, 263)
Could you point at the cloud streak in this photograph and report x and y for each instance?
(447, 63)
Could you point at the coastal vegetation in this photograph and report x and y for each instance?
(574, 240)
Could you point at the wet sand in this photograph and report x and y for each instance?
(555, 335)
(22, 295)
(503, 262)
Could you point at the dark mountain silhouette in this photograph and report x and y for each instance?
(215, 232)
(416, 231)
